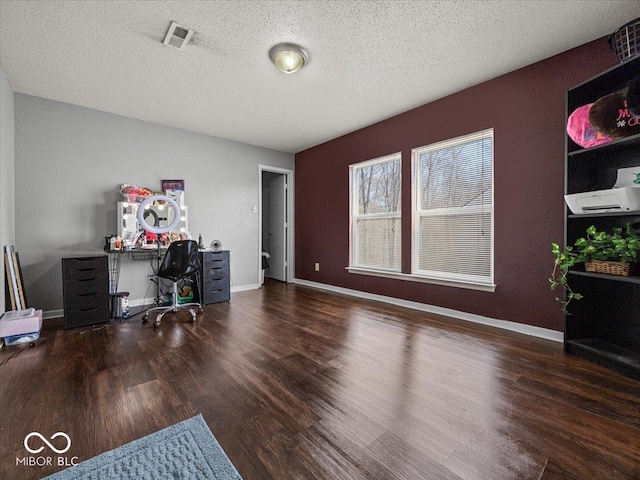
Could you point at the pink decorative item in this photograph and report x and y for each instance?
(611, 116)
(134, 193)
(581, 131)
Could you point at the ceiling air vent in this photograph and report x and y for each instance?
(177, 36)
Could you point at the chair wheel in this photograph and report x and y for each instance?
(156, 324)
(200, 309)
(145, 318)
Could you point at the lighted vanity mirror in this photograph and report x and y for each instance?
(156, 215)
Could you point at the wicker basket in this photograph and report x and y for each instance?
(610, 268)
(625, 42)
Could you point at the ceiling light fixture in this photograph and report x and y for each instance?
(288, 57)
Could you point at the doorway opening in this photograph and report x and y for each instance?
(275, 224)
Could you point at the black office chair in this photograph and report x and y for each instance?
(180, 262)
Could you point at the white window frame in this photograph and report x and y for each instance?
(444, 278)
(354, 215)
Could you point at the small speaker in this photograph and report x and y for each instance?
(216, 245)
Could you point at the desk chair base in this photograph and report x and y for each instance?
(174, 307)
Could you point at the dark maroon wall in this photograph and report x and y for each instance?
(526, 110)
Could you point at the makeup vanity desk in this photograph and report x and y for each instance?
(213, 279)
(135, 254)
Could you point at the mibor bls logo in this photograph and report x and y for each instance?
(41, 461)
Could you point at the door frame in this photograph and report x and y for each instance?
(288, 271)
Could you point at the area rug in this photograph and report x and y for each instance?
(186, 450)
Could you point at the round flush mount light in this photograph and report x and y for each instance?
(288, 57)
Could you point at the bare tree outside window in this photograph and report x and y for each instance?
(376, 235)
(457, 176)
(454, 209)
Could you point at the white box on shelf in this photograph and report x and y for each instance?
(626, 199)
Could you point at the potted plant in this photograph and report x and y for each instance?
(601, 252)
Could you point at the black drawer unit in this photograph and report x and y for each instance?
(85, 289)
(215, 277)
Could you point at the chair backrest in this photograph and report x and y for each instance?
(180, 261)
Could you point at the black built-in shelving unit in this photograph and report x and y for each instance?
(604, 326)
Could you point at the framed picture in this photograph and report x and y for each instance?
(172, 185)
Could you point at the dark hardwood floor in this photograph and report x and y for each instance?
(299, 383)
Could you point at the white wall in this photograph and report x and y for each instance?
(70, 162)
(7, 165)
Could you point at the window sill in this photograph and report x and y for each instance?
(484, 287)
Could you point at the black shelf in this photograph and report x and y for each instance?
(611, 147)
(604, 325)
(631, 213)
(603, 276)
(609, 81)
(608, 355)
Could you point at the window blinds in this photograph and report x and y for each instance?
(453, 209)
(376, 188)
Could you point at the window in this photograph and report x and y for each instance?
(375, 192)
(453, 209)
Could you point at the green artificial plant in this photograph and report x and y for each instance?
(623, 245)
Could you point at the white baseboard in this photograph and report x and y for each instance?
(242, 288)
(141, 302)
(48, 314)
(448, 312)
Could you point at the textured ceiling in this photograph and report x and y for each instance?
(370, 60)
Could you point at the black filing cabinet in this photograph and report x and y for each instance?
(215, 277)
(85, 288)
